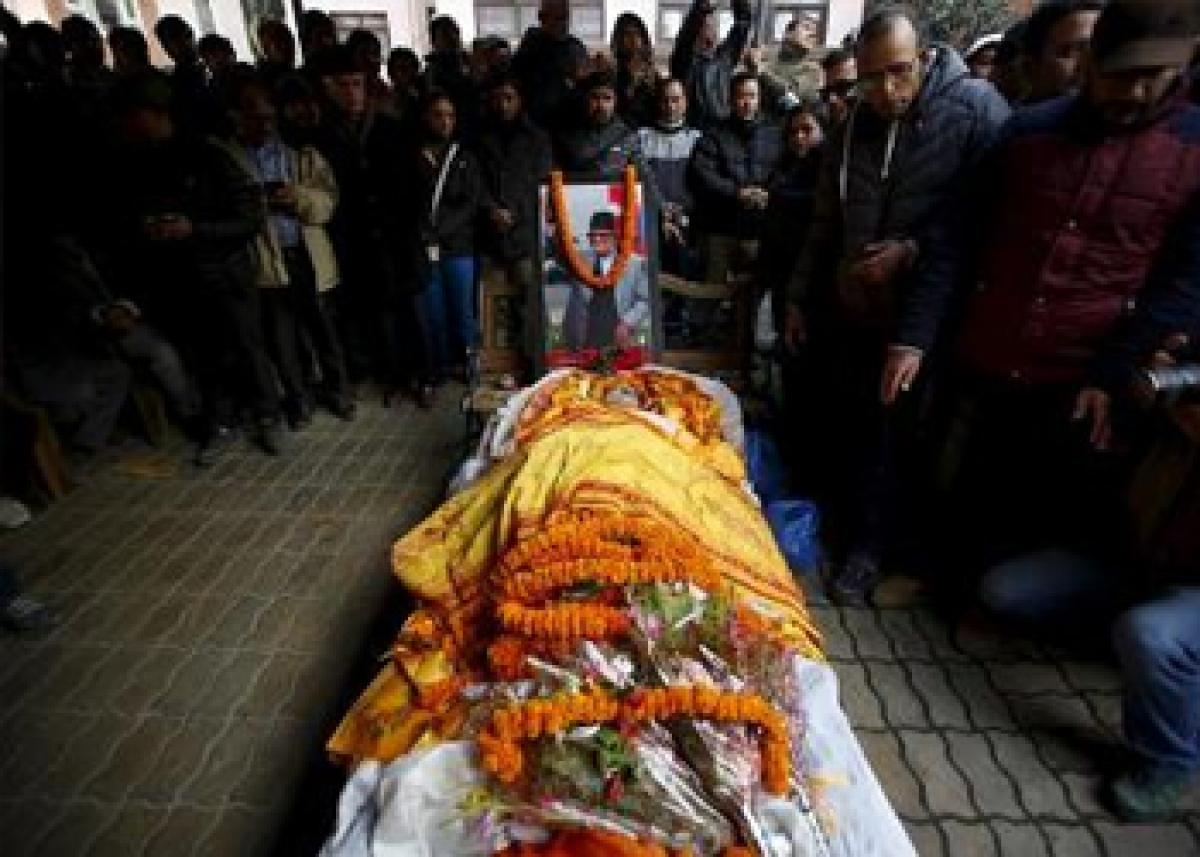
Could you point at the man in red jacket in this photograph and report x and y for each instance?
(1088, 257)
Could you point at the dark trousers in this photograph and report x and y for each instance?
(282, 335)
(403, 333)
(1024, 476)
(289, 313)
(316, 313)
(239, 354)
(872, 455)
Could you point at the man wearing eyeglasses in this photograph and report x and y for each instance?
(838, 85)
(916, 128)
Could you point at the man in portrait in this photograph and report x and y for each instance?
(607, 317)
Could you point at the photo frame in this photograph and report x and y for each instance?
(581, 324)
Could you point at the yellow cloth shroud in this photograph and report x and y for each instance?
(614, 462)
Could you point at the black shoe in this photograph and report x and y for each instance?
(341, 407)
(856, 582)
(210, 443)
(299, 416)
(424, 395)
(268, 436)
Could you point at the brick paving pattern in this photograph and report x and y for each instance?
(215, 624)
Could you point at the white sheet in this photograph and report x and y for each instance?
(409, 808)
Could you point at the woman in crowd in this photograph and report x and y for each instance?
(636, 79)
(450, 198)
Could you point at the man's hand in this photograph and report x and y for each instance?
(795, 330)
(623, 335)
(118, 319)
(753, 196)
(283, 198)
(900, 371)
(1094, 405)
(1166, 353)
(880, 262)
(502, 219)
(174, 227)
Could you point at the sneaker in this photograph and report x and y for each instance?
(857, 580)
(1147, 794)
(25, 615)
(268, 436)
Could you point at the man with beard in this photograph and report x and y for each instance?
(1086, 257)
(601, 144)
(918, 128)
(1056, 41)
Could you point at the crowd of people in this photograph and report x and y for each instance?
(969, 257)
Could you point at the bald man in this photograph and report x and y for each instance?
(919, 124)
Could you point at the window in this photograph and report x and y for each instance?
(510, 19)
(777, 15)
(781, 14)
(373, 22)
(505, 19)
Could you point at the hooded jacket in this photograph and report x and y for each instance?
(890, 180)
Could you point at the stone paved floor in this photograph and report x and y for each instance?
(215, 625)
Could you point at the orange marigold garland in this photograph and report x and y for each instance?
(569, 253)
(542, 580)
(499, 741)
(580, 535)
(564, 621)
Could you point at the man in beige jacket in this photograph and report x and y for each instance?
(296, 262)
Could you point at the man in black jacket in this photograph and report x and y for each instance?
(729, 172)
(913, 136)
(515, 157)
(548, 61)
(706, 67)
(372, 229)
(600, 144)
(181, 232)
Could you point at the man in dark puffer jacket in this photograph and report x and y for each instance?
(917, 130)
(730, 169)
(1089, 256)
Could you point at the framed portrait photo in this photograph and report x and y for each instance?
(599, 304)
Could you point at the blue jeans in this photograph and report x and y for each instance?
(1157, 643)
(450, 308)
